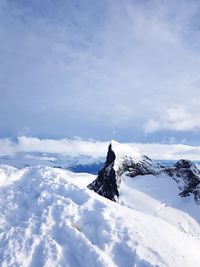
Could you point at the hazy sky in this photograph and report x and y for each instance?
(126, 70)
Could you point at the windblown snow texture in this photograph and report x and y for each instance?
(49, 218)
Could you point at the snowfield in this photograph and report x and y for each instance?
(49, 218)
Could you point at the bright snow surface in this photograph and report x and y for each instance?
(49, 218)
(124, 152)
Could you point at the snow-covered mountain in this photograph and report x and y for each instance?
(79, 163)
(48, 216)
(124, 161)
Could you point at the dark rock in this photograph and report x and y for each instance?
(105, 184)
(110, 156)
(183, 164)
(187, 176)
(108, 181)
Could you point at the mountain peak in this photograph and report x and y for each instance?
(123, 159)
(125, 151)
(120, 158)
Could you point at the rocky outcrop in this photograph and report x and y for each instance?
(106, 182)
(124, 160)
(117, 163)
(187, 175)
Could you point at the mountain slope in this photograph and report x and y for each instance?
(124, 160)
(49, 218)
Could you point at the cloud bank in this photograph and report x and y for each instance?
(175, 118)
(66, 147)
(92, 148)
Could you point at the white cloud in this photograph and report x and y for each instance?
(151, 126)
(89, 68)
(175, 118)
(63, 146)
(170, 151)
(7, 147)
(95, 149)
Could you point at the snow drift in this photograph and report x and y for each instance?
(49, 219)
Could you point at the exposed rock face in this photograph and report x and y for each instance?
(106, 183)
(121, 159)
(117, 163)
(187, 175)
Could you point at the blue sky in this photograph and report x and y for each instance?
(124, 70)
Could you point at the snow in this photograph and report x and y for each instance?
(49, 218)
(125, 152)
(9, 174)
(159, 196)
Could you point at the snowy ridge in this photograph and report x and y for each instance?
(9, 174)
(124, 152)
(49, 218)
(159, 197)
(124, 160)
(121, 158)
